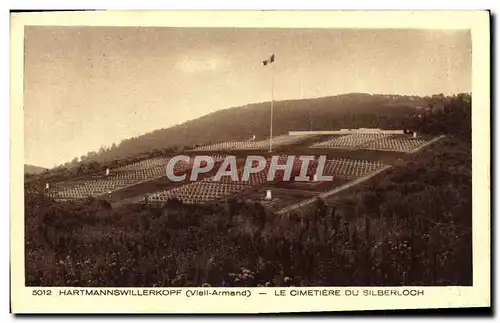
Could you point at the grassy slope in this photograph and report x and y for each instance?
(30, 169)
(413, 227)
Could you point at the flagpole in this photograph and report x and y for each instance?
(272, 108)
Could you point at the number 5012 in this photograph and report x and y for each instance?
(42, 292)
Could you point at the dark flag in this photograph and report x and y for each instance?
(268, 61)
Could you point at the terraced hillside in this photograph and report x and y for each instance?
(397, 212)
(146, 181)
(411, 226)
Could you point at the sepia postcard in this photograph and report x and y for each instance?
(249, 161)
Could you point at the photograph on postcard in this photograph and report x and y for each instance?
(154, 157)
(186, 157)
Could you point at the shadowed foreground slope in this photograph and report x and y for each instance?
(411, 228)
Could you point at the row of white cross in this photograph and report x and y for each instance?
(372, 141)
(121, 177)
(210, 190)
(352, 140)
(261, 144)
(406, 144)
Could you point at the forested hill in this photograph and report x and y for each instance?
(30, 169)
(342, 111)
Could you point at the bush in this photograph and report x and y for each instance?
(411, 228)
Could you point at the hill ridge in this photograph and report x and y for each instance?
(244, 121)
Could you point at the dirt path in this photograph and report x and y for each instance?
(332, 192)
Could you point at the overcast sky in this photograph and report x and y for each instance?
(87, 87)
